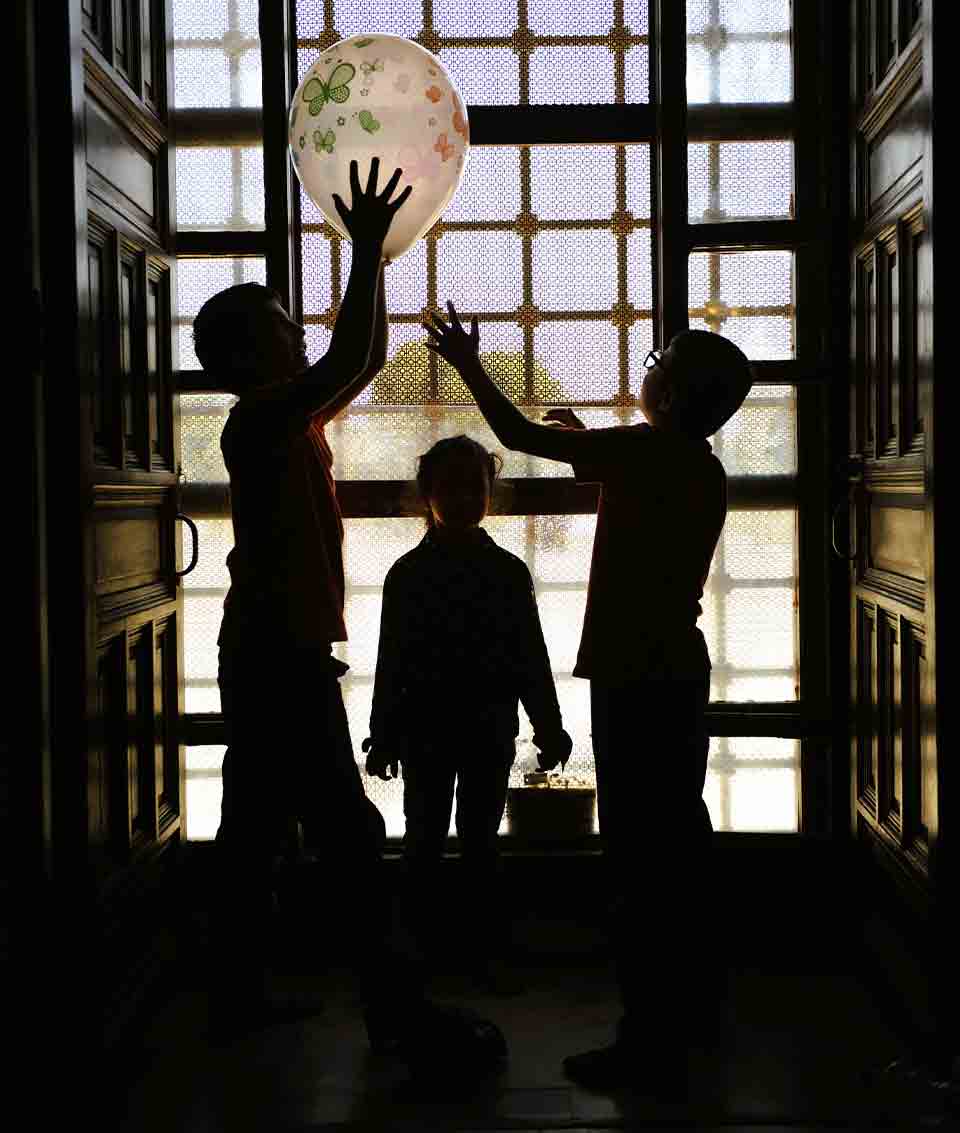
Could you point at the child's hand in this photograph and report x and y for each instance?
(369, 217)
(380, 762)
(553, 749)
(452, 342)
(564, 417)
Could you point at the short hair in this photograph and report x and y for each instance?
(713, 376)
(222, 330)
(450, 448)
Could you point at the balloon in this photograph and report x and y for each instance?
(384, 96)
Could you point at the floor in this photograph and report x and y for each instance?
(806, 1049)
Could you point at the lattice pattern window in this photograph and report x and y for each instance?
(739, 51)
(216, 60)
(552, 247)
(505, 54)
(740, 181)
(216, 53)
(747, 297)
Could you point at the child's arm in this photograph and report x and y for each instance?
(513, 430)
(538, 693)
(384, 743)
(337, 377)
(375, 363)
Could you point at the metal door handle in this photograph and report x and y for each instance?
(847, 556)
(196, 544)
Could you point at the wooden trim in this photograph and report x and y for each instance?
(894, 92)
(668, 91)
(742, 122)
(219, 244)
(121, 100)
(752, 235)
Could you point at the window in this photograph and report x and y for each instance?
(553, 246)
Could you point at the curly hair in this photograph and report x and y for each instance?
(432, 462)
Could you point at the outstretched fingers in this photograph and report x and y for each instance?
(355, 180)
(371, 189)
(391, 185)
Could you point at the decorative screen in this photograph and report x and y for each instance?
(535, 52)
(216, 53)
(747, 297)
(739, 51)
(740, 181)
(550, 246)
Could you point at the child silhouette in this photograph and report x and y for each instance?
(289, 756)
(460, 644)
(661, 510)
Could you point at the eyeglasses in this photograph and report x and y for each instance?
(653, 358)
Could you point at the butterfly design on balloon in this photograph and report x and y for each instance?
(324, 142)
(318, 93)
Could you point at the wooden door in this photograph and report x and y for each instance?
(103, 87)
(901, 802)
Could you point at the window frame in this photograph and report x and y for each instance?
(667, 124)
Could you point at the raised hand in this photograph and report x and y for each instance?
(452, 342)
(369, 216)
(563, 417)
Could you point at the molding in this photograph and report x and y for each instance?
(138, 605)
(905, 475)
(896, 90)
(905, 596)
(100, 85)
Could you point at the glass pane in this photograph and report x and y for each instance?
(747, 297)
(202, 417)
(753, 784)
(739, 52)
(560, 75)
(204, 791)
(740, 181)
(484, 76)
(358, 17)
(490, 189)
(200, 279)
(479, 19)
(748, 621)
(219, 188)
(216, 54)
(575, 270)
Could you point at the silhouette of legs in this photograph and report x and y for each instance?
(289, 758)
(476, 775)
(650, 746)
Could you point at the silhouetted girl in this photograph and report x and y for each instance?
(460, 645)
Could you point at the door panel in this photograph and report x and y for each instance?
(896, 763)
(118, 763)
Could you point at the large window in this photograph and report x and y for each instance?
(556, 248)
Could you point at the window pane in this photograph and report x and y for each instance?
(200, 279)
(747, 297)
(738, 52)
(204, 791)
(504, 54)
(748, 621)
(753, 784)
(740, 181)
(216, 54)
(219, 188)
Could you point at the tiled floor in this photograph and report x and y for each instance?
(804, 1044)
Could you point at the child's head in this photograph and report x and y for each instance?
(697, 385)
(244, 338)
(455, 480)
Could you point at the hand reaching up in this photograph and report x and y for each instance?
(369, 216)
(452, 342)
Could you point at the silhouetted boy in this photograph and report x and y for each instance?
(661, 510)
(289, 756)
